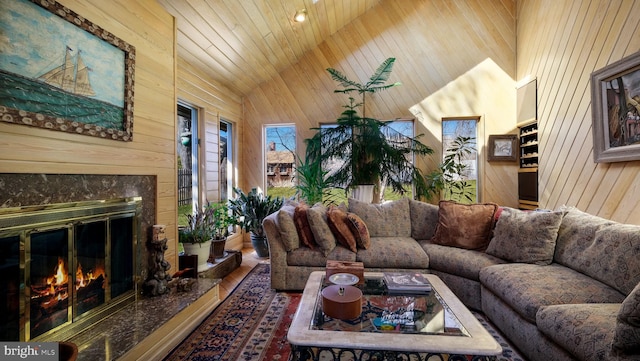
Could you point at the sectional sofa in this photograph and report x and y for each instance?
(561, 285)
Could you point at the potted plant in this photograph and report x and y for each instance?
(197, 235)
(372, 152)
(221, 220)
(249, 210)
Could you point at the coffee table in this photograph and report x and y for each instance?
(391, 327)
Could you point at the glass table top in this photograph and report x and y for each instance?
(394, 313)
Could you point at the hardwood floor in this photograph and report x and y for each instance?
(249, 260)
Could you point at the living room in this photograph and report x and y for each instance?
(454, 59)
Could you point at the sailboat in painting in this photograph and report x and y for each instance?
(71, 76)
(62, 92)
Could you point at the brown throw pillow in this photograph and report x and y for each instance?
(322, 235)
(359, 230)
(302, 226)
(525, 236)
(465, 225)
(338, 223)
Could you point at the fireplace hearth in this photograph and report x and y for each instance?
(66, 265)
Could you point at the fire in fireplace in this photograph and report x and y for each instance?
(65, 265)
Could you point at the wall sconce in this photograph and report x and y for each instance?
(300, 16)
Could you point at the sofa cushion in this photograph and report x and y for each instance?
(627, 331)
(359, 230)
(460, 262)
(424, 219)
(390, 219)
(528, 237)
(339, 225)
(603, 249)
(302, 225)
(307, 257)
(527, 287)
(585, 330)
(393, 252)
(287, 228)
(466, 226)
(322, 235)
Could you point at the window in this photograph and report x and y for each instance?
(187, 149)
(280, 160)
(467, 177)
(226, 160)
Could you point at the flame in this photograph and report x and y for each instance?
(84, 279)
(59, 278)
(56, 285)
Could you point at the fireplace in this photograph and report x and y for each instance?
(66, 265)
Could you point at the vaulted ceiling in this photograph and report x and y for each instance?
(242, 43)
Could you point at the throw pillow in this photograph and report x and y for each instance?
(626, 335)
(337, 221)
(390, 219)
(287, 227)
(324, 238)
(302, 225)
(359, 230)
(466, 226)
(525, 237)
(424, 219)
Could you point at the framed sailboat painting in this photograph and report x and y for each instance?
(61, 72)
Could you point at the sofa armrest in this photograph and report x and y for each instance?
(277, 252)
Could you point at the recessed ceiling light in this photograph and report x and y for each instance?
(300, 16)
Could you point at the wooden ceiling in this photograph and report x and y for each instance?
(242, 43)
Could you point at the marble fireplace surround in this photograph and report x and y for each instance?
(150, 327)
(25, 189)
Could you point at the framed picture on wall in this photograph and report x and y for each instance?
(60, 71)
(503, 148)
(615, 104)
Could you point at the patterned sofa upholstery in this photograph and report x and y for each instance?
(561, 285)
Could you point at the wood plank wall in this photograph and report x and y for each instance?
(454, 58)
(215, 102)
(148, 27)
(562, 43)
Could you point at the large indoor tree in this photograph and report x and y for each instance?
(368, 150)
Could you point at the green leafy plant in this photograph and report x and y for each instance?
(372, 152)
(449, 179)
(209, 222)
(250, 209)
(312, 186)
(221, 219)
(198, 229)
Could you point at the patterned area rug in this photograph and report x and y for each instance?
(252, 324)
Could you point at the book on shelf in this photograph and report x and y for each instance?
(406, 282)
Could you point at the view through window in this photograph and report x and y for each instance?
(226, 160)
(280, 160)
(453, 128)
(187, 150)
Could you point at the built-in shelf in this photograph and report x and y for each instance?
(528, 172)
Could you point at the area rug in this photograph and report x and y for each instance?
(252, 324)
